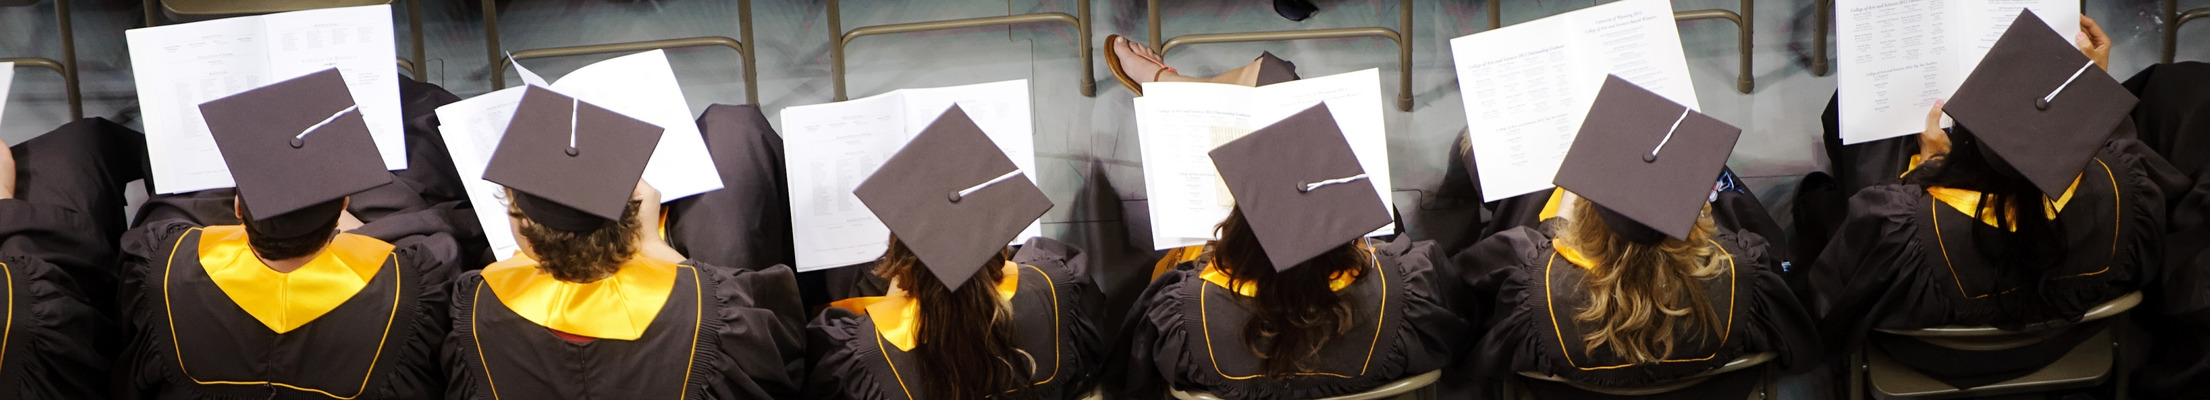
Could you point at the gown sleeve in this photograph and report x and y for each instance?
(1432, 335)
(1858, 274)
(460, 374)
(435, 259)
(64, 239)
(143, 367)
(67, 340)
(1066, 262)
(1777, 321)
(835, 345)
(1493, 292)
(1153, 341)
(758, 333)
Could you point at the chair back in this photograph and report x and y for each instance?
(1738, 364)
(17, 3)
(201, 10)
(1989, 338)
(1401, 388)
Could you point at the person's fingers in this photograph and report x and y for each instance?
(2094, 32)
(1933, 117)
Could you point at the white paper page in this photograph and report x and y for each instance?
(472, 129)
(528, 77)
(181, 66)
(1636, 40)
(7, 79)
(1988, 19)
(829, 149)
(1001, 109)
(1895, 61)
(1176, 125)
(643, 86)
(358, 42)
(1528, 87)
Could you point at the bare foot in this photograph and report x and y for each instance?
(1138, 61)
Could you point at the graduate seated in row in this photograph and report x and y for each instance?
(1292, 301)
(1823, 198)
(61, 197)
(1133, 64)
(964, 317)
(279, 302)
(2038, 206)
(595, 305)
(1633, 283)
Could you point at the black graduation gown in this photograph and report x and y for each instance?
(1822, 198)
(1529, 282)
(57, 240)
(852, 361)
(724, 333)
(2173, 114)
(69, 183)
(57, 345)
(189, 340)
(746, 224)
(1905, 260)
(1402, 329)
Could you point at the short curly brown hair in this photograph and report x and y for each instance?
(581, 257)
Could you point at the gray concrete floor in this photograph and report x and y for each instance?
(1086, 145)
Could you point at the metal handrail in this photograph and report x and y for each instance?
(1081, 25)
(1404, 47)
(1745, 82)
(2178, 19)
(67, 66)
(745, 54)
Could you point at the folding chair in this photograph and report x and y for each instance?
(1819, 61)
(2178, 19)
(1766, 389)
(844, 38)
(1417, 387)
(1398, 35)
(1743, 20)
(743, 48)
(197, 10)
(67, 67)
(2087, 365)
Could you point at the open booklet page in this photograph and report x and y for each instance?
(1898, 56)
(472, 129)
(1528, 86)
(7, 79)
(833, 147)
(1178, 123)
(184, 65)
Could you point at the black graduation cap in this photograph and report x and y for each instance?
(1300, 187)
(952, 197)
(572, 164)
(295, 144)
(1646, 161)
(2038, 103)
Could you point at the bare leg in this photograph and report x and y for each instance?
(1142, 70)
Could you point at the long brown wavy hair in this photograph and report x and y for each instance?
(1295, 313)
(965, 343)
(581, 257)
(1642, 293)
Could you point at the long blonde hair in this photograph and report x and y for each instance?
(1642, 293)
